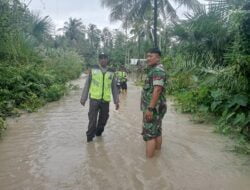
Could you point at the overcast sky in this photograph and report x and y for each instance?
(90, 11)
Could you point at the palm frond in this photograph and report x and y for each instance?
(190, 4)
(40, 27)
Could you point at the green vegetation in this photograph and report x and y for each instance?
(209, 67)
(207, 56)
(35, 65)
(32, 70)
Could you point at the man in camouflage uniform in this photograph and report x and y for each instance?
(153, 102)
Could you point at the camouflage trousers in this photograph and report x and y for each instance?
(153, 128)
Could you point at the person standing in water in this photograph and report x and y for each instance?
(153, 102)
(99, 86)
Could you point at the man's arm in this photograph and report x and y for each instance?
(158, 83)
(155, 96)
(115, 93)
(85, 91)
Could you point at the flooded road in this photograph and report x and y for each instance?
(48, 150)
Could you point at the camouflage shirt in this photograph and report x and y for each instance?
(156, 76)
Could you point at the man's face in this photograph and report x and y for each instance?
(153, 59)
(103, 62)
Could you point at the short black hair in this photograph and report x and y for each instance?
(103, 56)
(155, 50)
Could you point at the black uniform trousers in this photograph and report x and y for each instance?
(98, 117)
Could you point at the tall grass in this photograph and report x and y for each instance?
(32, 72)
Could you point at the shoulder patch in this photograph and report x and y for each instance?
(160, 67)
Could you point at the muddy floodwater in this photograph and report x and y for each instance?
(48, 150)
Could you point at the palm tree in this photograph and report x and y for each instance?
(94, 35)
(106, 39)
(40, 27)
(73, 29)
(132, 10)
(142, 32)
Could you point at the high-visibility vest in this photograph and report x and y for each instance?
(122, 75)
(100, 87)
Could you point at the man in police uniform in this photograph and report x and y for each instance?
(99, 85)
(118, 81)
(153, 102)
(123, 78)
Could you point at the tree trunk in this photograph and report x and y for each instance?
(139, 45)
(126, 49)
(155, 24)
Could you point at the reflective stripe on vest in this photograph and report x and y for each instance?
(100, 87)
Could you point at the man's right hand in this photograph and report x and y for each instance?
(83, 103)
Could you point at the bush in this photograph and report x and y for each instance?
(54, 92)
(2, 126)
(29, 86)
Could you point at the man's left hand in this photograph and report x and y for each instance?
(117, 106)
(148, 116)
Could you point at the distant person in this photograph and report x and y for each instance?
(124, 81)
(99, 85)
(153, 102)
(118, 81)
(123, 78)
